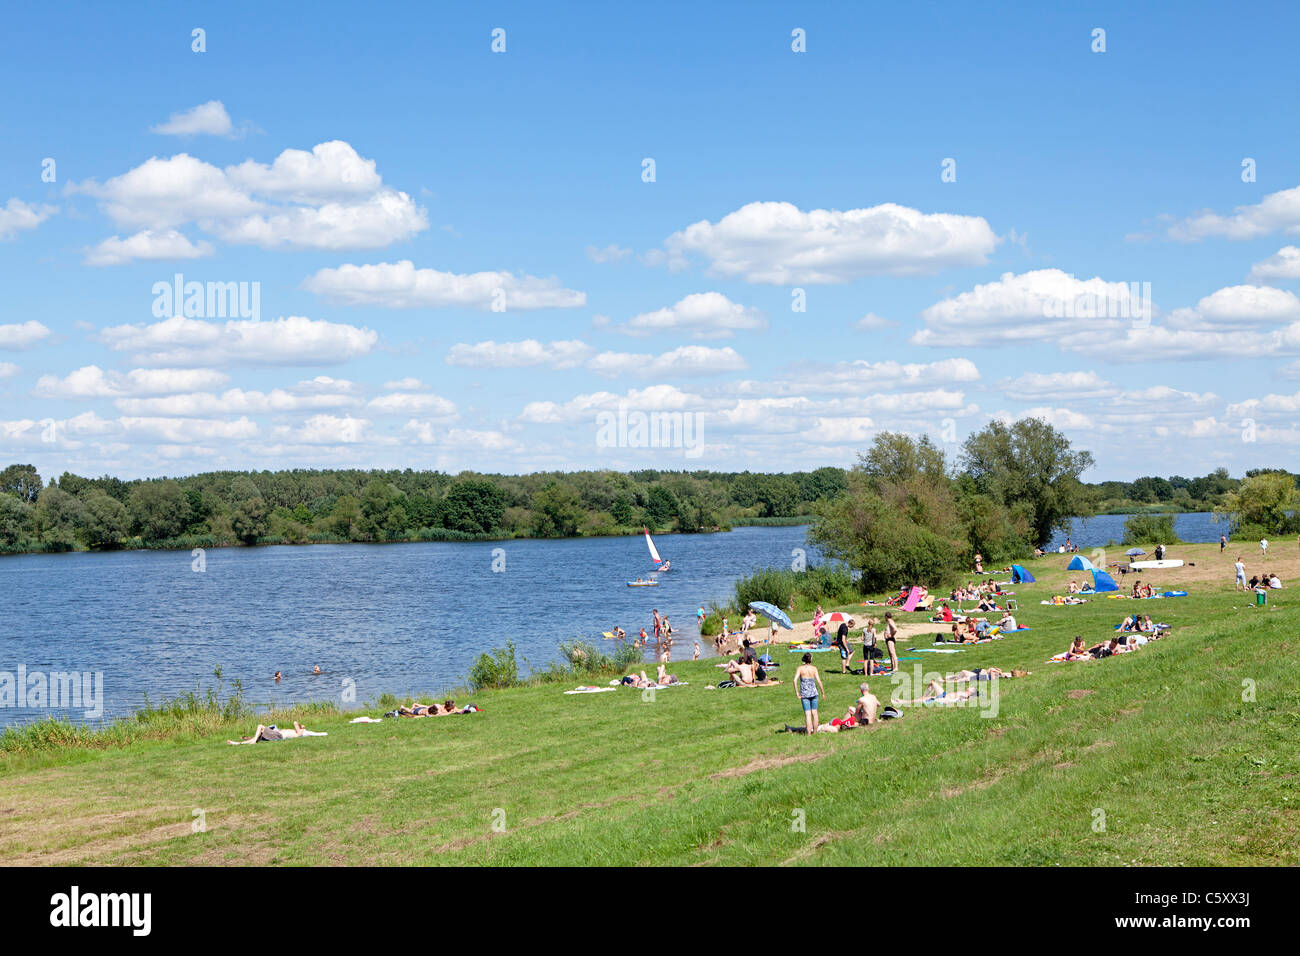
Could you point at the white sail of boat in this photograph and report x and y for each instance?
(654, 553)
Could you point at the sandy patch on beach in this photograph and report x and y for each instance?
(803, 630)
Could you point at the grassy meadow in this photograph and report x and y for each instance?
(1183, 753)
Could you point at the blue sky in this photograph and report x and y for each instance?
(315, 150)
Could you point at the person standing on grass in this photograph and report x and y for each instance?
(808, 686)
(1263, 546)
(868, 644)
(842, 644)
(1223, 542)
(1240, 568)
(891, 637)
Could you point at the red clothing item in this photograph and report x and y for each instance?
(947, 615)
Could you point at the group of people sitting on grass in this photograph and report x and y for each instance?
(1139, 623)
(967, 628)
(973, 629)
(749, 671)
(1269, 580)
(1141, 590)
(984, 592)
(1137, 635)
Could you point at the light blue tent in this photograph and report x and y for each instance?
(1101, 581)
(1020, 576)
(1079, 563)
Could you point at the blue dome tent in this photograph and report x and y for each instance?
(1101, 581)
(1020, 576)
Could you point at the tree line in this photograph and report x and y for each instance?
(302, 506)
(907, 510)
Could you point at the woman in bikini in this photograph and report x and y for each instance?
(808, 687)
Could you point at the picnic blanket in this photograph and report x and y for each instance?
(366, 720)
(939, 650)
(590, 690)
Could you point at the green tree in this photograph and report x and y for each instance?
(557, 511)
(887, 547)
(1264, 500)
(250, 519)
(345, 517)
(58, 516)
(21, 481)
(105, 521)
(1031, 464)
(17, 521)
(778, 496)
(158, 509)
(661, 506)
(895, 458)
(473, 505)
(826, 484)
(622, 511)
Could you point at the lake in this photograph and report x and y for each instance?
(1194, 528)
(405, 618)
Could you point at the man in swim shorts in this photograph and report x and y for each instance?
(891, 637)
(842, 642)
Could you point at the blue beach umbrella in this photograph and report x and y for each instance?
(1133, 552)
(772, 613)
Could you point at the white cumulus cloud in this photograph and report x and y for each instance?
(776, 243)
(147, 245)
(16, 215)
(295, 340)
(206, 119)
(704, 315)
(22, 335)
(400, 285)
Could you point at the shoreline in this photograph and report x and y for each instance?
(473, 539)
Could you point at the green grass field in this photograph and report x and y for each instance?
(1184, 752)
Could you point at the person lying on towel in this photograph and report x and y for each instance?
(275, 733)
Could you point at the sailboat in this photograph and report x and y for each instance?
(660, 563)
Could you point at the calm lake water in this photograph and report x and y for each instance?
(1196, 528)
(405, 618)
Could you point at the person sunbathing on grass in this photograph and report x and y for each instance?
(988, 673)
(1078, 651)
(275, 733)
(664, 678)
(1073, 588)
(432, 710)
(636, 680)
(1107, 649)
(937, 693)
